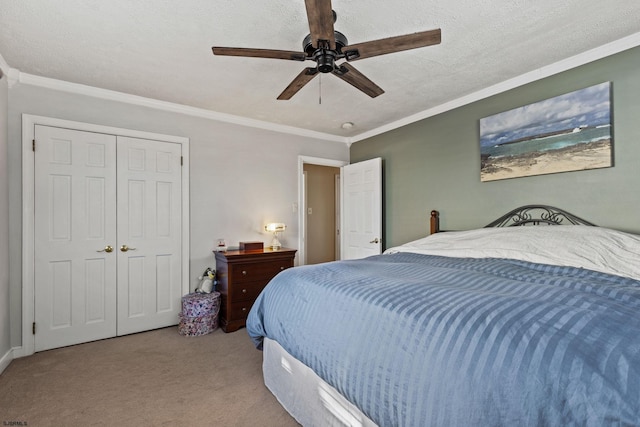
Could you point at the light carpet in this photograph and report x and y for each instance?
(155, 378)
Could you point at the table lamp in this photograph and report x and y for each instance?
(275, 228)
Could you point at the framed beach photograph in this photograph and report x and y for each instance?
(566, 133)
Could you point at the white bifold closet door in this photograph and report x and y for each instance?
(149, 226)
(107, 235)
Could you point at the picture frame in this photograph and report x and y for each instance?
(569, 132)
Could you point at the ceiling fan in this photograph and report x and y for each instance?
(325, 46)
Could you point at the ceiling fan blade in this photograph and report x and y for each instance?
(298, 83)
(355, 78)
(259, 53)
(391, 44)
(320, 16)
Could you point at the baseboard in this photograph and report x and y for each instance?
(19, 352)
(5, 360)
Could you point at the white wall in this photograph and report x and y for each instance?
(5, 343)
(241, 177)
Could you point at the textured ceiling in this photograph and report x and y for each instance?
(161, 49)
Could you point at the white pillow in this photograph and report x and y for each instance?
(593, 248)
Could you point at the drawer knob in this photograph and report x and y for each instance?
(244, 309)
(244, 291)
(244, 272)
(281, 268)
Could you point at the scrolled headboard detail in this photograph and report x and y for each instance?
(537, 215)
(525, 215)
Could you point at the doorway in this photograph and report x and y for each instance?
(322, 204)
(329, 223)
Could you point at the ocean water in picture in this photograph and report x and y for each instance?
(547, 143)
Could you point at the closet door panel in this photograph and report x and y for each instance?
(75, 199)
(149, 234)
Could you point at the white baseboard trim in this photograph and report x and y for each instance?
(19, 352)
(6, 360)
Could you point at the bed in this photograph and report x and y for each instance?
(504, 325)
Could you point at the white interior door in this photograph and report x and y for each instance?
(362, 209)
(75, 199)
(107, 235)
(149, 234)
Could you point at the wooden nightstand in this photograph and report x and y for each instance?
(241, 277)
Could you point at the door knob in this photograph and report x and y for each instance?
(125, 248)
(107, 249)
(375, 240)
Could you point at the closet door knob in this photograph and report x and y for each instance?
(107, 249)
(125, 248)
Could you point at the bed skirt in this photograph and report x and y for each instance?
(310, 400)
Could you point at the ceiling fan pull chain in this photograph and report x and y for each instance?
(320, 90)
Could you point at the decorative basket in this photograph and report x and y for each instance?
(199, 314)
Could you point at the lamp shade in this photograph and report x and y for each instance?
(275, 227)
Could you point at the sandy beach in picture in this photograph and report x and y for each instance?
(576, 157)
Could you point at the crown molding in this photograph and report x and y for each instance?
(75, 88)
(14, 77)
(539, 74)
(4, 67)
(532, 76)
(10, 73)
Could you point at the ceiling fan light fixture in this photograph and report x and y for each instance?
(326, 60)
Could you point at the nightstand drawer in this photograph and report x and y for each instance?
(240, 310)
(245, 291)
(264, 271)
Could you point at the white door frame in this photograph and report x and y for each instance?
(28, 250)
(302, 160)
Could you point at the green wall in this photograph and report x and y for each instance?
(435, 163)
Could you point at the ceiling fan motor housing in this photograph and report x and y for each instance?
(325, 57)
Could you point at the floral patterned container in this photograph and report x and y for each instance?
(199, 314)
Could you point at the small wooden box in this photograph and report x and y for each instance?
(251, 246)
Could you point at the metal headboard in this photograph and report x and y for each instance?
(537, 215)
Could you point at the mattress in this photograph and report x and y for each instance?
(309, 399)
(416, 339)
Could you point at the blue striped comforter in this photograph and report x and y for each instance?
(421, 340)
